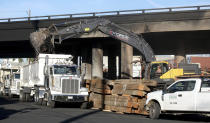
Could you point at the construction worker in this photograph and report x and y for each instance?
(158, 71)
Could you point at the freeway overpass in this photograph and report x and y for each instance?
(167, 30)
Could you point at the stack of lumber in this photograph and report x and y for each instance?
(124, 96)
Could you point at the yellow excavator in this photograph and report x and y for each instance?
(167, 74)
(44, 40)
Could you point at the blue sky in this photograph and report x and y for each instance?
(18, 8)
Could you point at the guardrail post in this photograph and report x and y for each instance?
(70, 16)
(170, 9)
(94, 14)
(198, 8)
(9, 20)
(143, 11)
(118, 13)
(28, 18)
(48, 17)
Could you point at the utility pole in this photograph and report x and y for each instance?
(28, 12)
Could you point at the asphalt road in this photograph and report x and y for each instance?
(13, 111)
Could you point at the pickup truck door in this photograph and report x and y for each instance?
(203, 97)
(180, 96)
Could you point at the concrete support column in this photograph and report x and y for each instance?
(86, 63)
(126, 59)
(180, 58)
(97, 60)
(112, 68)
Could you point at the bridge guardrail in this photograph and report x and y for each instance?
(99, 14)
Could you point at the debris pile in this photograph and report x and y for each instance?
(124, 95)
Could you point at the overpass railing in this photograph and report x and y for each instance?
(107, 13)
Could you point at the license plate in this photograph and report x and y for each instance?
(70, 97)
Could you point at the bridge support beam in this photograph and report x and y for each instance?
(112, 68)
(86, 63)
(126, 59)
(97, 60)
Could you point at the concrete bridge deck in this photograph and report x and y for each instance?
(168, 30)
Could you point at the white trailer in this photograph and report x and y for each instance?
(52, 78)
(14, 88)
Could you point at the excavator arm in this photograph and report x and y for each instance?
(44, 39)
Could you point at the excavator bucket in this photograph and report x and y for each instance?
(41, 40)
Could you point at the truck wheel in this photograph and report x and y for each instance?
(27, 97)
(40, 100)
(154, 110)
(84, 105)
(36, 98)
(51, 103)
(10, 95)
(44, 103)
(22, 96)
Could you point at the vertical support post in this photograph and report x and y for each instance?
(126, 59)
(86, 63)
(112, 68)
(97, 60)
(180, 58)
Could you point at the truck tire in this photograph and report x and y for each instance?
(84, 105)
(22, 96)
(36, 98)
(44, 103)
(50, 103)
(10, 95)
(154, 110)
(27, 95)
(40, 101)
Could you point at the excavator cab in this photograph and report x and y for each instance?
(157, 69)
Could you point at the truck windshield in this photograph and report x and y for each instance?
(17, 76)
(158, 69)
(65, 70)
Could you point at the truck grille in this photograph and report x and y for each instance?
(70, 86)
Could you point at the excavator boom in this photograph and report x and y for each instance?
(44, 39)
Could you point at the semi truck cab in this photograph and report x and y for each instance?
(52, 78)
(66, 84)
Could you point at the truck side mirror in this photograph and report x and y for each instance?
(165, 89)
(51, 71)
(78, 72)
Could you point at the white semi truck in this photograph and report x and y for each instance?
(52, 78)
(183, 96)
(14, 88)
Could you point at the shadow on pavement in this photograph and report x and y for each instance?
(5, 113)
(67, 105)
(80, 116)
(186, 117)
(7, 100)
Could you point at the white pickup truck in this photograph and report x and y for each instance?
(183, 96)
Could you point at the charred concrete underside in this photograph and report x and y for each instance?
(163, 43)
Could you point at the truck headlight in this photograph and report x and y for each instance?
(84, 89)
